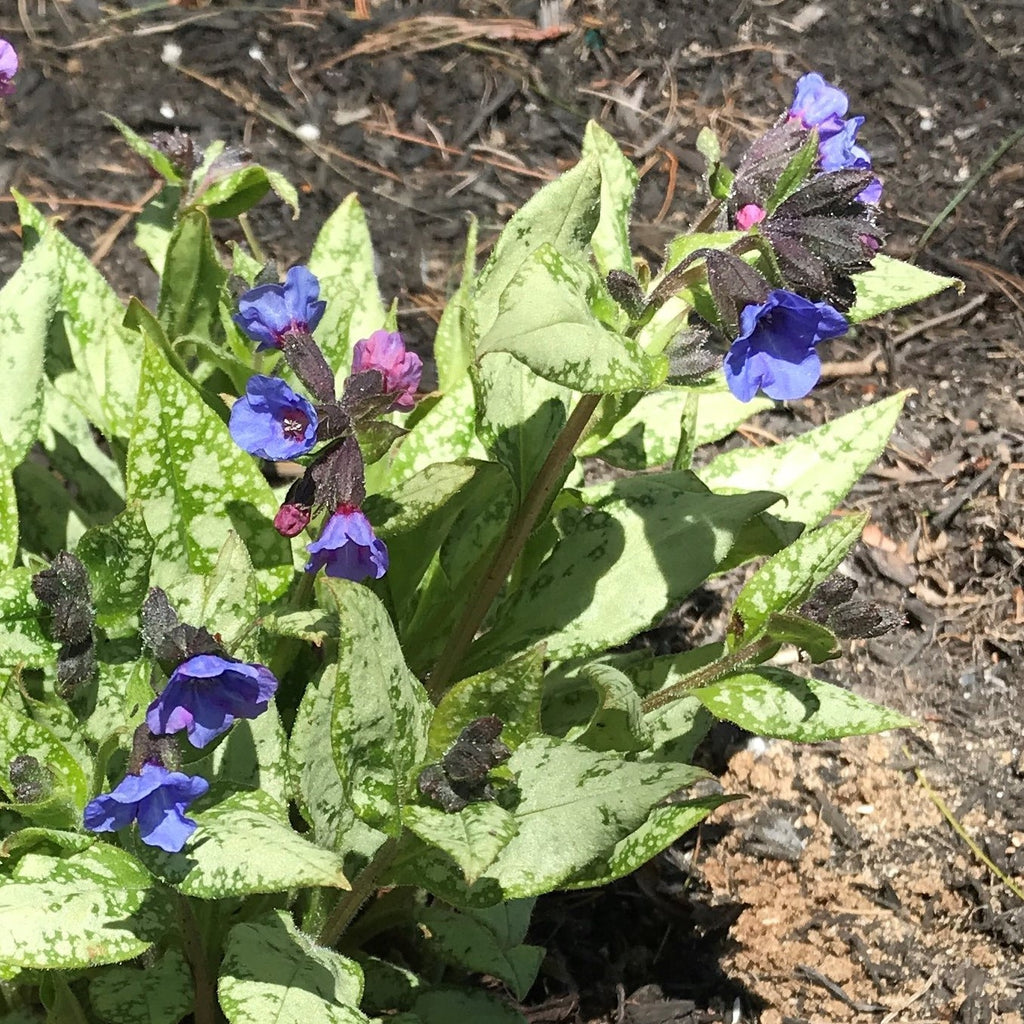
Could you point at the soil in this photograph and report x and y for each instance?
(856, 882)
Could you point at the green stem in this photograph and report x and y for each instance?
(205, 1010)
(511, 546)
(709, 673)
(257, 250)
(362, 889)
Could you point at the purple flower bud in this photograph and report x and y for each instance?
(348, 548)
(272, 421)
(291, 520)
(8, 67)
(749, 215)
(775, 349)
(815, 101)
(816, 104)
(385, 351)
(270, 311)
(156, 798)
(206, 694)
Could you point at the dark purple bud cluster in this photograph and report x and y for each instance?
(206, 692)
(64, 588)
(461, 776)
(832, 604)
(274, 422)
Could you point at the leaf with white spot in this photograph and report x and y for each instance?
(273, 972)
(106, 355)
(892, 284)
(24, 642)
(774, 702)
(576, 806)
(472, 837)
(242, 189)
(477, 941)
(159, 993)
(455, 339)
(814, 471)
(245, 845)
(619, 180)
(118, 557)
(547, 320)
(381, 712)
(343, 261)
(195, 484)
(662, 828)
(788, 577)
(154, 156)
(562, 215)
(8, 515)
(647, 434)
(78, 909)
(64, 786)
(654, 538)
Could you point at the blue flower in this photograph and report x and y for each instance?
(156, 798)
(816, 104)
(270, 311)
(775, 347)
(347, 547)
(272, 421)
(206, 694)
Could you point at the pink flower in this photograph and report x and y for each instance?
(385, 351)
(747, 216)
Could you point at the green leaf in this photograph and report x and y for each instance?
(441, 1005)
(28, 303)
(381, 712)
(773, 702)
(118, 558)
(475, 941)
(318, 787)
(795, 173)
(273, 972)
(788, 578)
(595, 705)
(546, 320)
(94, 906)
(159, 993)
(818, 642)
(892, 284)
(519, 415)
(24, 642)
(193, 281)
(235, 193)
(472, 837)
(219, 862)
(195, 484)
(717, 175)
(652, 537)
(156, 159)
(66, 781)
(576, 805)
(562, 215)
(676, 730)
(455, 339)
(619, 180)
(511, 690)
(8, 516)
(649, 433)
(664, 825)
(106, 356)
(342, 259)
(681, 247)
(155, 225)
(814, 471)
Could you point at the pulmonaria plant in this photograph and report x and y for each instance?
(223, 758)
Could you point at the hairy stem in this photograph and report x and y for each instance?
(709, 673)
(362, 889)
(511, 546)
(206, 1009)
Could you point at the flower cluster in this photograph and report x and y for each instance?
(8, 67)
(205, 694)
(821, 232)
(274, 422)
